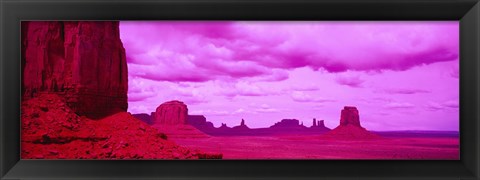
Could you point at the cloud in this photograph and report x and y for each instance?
(133, 97)
(274, 75)
(189, 95)
(139, 90)
(139, 109)
(352, 81)
(264, 108)
(159, 72)
(267, 110)
(338, 47)
(186, 52)
(405, 91)
(307, 87)
(245, 89)
(202, 51)
(211, 112)
(239, 111)
(194, 100)
(376, 100)
(455, 73)
(451, 104)
(399, 105)
(300, 96)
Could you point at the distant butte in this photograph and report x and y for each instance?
(242, 126)
(349, 127)
(285, 126)
(171, 113)
(349, 116)
(288, 123)
(172, 118)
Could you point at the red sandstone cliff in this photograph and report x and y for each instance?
(82, 61)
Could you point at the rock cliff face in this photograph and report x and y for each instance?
(171, 113)
(84, 62)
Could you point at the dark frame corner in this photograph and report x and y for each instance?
(466, 11)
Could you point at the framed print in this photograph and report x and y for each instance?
(201, 89)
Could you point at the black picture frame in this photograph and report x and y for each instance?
(14, 11)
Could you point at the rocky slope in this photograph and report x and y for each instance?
(51, 130)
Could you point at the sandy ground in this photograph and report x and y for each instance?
(314, 147)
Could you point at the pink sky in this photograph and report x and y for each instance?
(400, 75)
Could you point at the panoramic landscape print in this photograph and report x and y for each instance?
(321, 90)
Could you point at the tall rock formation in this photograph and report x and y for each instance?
(171, 113)
(321, 123)
(84, 62)
(349, 116)
(349, 127)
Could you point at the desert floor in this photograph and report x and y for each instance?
(314, 147)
